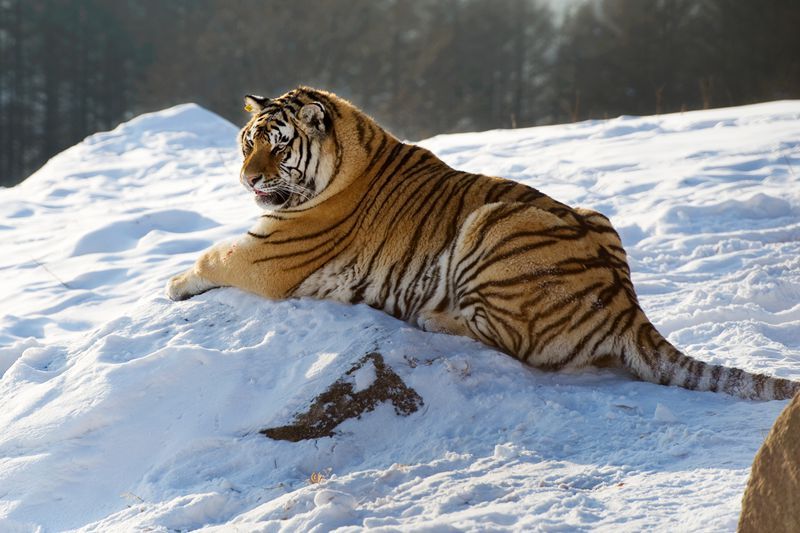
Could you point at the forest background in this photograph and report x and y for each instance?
(420, 67)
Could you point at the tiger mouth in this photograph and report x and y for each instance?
(273, 198)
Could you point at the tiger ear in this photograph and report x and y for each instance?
(312, 118)
(254, 104)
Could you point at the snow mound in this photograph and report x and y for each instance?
(120, 410)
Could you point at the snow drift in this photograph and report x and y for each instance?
(122, 410)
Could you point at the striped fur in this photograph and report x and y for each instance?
(361, 217)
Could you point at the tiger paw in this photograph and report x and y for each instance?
(185, 285)
(176, 288)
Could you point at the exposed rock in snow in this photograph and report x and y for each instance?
(375, 383)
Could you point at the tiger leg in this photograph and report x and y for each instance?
(443, 322)
(229, 264)
(540, 287)
(209, 272)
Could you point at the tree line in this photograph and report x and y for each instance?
(420, 67)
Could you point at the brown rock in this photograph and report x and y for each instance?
(771, 502)
(340, 402)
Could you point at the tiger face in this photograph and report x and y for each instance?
(285, 146)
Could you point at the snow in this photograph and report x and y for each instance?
(364, 377)
(663, 414)
(121, 410)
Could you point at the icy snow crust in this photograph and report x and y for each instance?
(121, 410)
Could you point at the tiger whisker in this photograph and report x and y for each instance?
(295, 188)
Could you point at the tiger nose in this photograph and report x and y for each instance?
(251, 179)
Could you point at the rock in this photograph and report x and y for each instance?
(771, 501)
(348, 398)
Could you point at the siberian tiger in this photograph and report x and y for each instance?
(355, 215)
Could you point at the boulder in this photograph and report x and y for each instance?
(771, 501)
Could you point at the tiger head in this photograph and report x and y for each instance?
(289, 148)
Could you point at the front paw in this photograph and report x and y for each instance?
(184, 286)
(176, 288)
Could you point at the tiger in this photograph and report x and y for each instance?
(353, 214)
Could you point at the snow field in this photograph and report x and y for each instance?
(121, 410)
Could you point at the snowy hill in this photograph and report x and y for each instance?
(122, 410)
